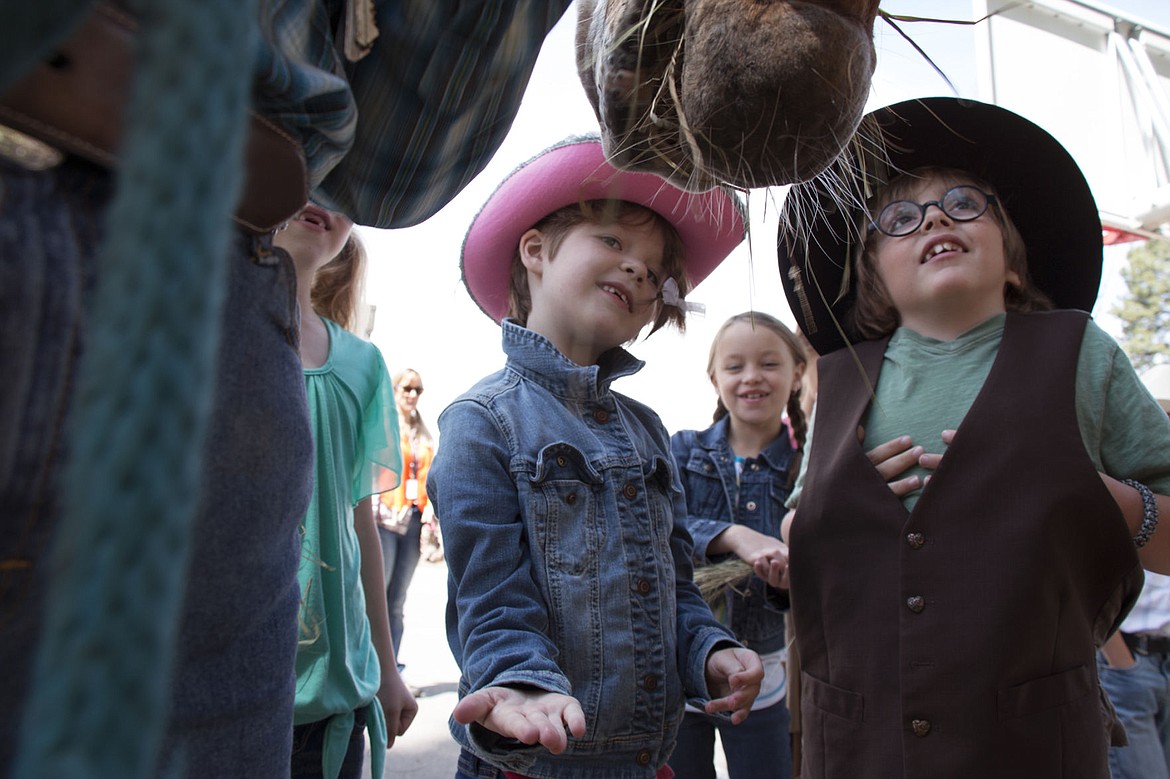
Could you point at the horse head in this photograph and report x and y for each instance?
(745, 93)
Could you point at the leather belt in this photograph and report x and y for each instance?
(1142, 644)
(74, 103)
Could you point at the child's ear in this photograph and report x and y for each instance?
(532, 245)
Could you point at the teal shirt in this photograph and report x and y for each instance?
(926, 386)
(355, 429)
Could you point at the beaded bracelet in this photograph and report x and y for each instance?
(1149, 513)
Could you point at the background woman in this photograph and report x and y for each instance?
(402, 510)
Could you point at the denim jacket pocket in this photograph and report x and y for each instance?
(564, 494)
(663, 490)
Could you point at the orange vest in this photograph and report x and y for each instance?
(416, 461)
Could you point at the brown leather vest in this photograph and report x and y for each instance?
(958, 640)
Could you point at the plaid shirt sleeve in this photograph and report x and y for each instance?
(392, 137)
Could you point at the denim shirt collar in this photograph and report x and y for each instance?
(536, 359)
(776, 454)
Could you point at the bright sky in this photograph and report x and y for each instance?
(426, 320)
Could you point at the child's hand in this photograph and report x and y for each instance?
(398, 705)
(734, 675)
(931, 461)
(895, 457)
(767, 556)
(530, 716)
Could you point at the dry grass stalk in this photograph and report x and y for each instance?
(713, 578)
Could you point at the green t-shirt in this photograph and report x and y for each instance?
(926, 386)
(355, 429)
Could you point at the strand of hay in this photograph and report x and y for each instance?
(714, 578)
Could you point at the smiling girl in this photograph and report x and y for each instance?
(347, 676)
(571, 613)
(736, 475)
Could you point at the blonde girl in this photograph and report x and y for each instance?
(736, 475)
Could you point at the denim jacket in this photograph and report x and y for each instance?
(569, 560)
(715, 502)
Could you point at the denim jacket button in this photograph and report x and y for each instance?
(751, 505)
(601, 416)
(571, 498)
(561, 461)
(630, 491)
(650, 683)
(643, 587)
(708, 467)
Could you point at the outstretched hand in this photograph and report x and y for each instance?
(895, 457)
(530, 716)
(733, 679)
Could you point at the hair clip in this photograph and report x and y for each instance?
(670, 297)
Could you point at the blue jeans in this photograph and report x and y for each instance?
(400, 555)
(471, 767)
(233, 684)
(309, 748)
(1141, 696)
(758, 748)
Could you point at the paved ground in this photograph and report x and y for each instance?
(427, 751)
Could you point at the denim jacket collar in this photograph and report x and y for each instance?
(776, 454)
(536, 359)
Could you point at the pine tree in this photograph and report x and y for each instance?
(1145, 309)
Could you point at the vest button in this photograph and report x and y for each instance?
(601, 416)
(643, 757)
(630, 491)
(921, 727)
(916, 540)
(751, 505)
(916, 603)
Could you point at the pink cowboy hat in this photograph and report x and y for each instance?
(575, 170)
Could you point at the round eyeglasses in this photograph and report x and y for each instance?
(902, 217)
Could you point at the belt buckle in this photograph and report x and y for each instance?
(28, 152)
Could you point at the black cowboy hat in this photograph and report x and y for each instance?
(1038, 182)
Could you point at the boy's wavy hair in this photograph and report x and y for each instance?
(557, 225)
(337, 286)
(873, 315)
(793, 406)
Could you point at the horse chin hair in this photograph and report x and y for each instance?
(672, 97)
